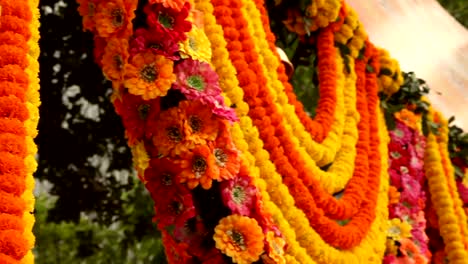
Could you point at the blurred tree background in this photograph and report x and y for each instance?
(90, 206)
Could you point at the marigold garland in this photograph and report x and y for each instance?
(19, 101)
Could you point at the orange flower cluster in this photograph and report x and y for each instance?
(15, 32)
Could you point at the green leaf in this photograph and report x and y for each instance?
(369, 68)
(385, 71)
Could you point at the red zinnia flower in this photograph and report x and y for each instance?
(168, 22)
(158, 43)
(135, 112)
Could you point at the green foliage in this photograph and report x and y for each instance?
(458, 9)
(130, 240)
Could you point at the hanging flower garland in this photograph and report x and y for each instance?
(406, 237)
(206, 201)
(19, 101)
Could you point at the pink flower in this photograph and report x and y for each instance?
(390, 259)
(411, 190)
(463, 190)
(197, 81)
(402, 134)
(238, 194)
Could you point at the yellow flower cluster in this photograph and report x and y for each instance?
(351, 22)
(321, 13)
(32, 104)
(451, 217)
(390, 75)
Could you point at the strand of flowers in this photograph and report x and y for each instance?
(32, 104)
(259, 39)
(16, 239)
(323, 123)
(271, 183)
(443, 202)
(449, 172)
(390, 75)
(338, 175)
(307, 237)
(406, 233)
(331, 91)
(302, 200)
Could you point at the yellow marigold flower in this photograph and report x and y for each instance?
(140, 157)
(239, 237)
(398, 229)
(197, 45)
(149, 75)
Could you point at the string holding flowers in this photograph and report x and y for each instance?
(179, 128)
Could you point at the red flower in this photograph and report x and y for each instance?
(162, 174)
(150, 39)
(135, 112)
(172, 208)
(176, 252)
(168, 22)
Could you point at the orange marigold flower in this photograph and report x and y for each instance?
(200, 125)
(87, 10)
(239, 237)
(149, 75)
(112, 17)
(168, 136)
(408, 118)
(198, 167)
(114, 59)
(174, 4)
(393, 195)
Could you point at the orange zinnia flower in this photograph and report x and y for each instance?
(198, 167)
(393, 195)
(111, 17)
(200, 125)
(408, 118)
(114, 59)
(174, 4)
(87, 9)
(149, 75)
(226, 155)
(239, 237)
(168, 132)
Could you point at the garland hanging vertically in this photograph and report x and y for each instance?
(19, 102)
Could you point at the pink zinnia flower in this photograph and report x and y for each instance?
(238, 194)
(463, 191)
(411, 190)
(197, 81)
(402, 134)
